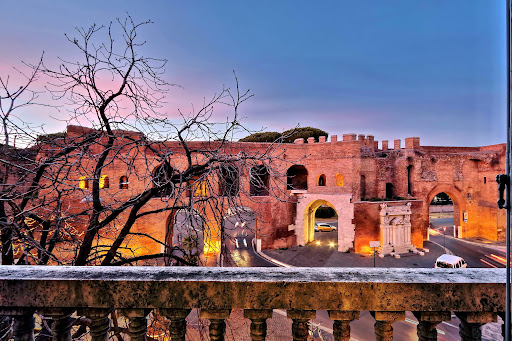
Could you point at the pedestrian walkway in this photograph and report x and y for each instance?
(313, 255)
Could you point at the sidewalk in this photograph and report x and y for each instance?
(313, 255)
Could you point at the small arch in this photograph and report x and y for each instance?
(297, 178)
(83, 182)
(229, 181)
(123, 182)
(339, 180)
(321, 180)
(104, 181)
(162, 178)
(259, 181)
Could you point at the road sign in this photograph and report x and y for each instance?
(375, 244)
(465, 216)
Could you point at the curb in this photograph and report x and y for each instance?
(446, 250)
(270, 259)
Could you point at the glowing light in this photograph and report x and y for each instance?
(331, 244)
(318, 243)
(104, 182)
(499, 259)
(83, 182)
(211, 247)
(366, 249)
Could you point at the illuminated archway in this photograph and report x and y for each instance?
(309, 218)
(457, 198)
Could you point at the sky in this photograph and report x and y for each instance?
(392, 69)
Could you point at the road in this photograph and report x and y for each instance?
(476, 256)
(242, 254)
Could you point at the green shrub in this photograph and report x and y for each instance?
(268, 136)
(291, 135)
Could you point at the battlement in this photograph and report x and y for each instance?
(365, 140)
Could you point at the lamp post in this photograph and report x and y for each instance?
(444, 238)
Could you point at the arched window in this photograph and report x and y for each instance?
(162, 179)
(123, 182)
(259, 181)
(200, 188)
(297, 178)
(104, 181)
(228, 181)
(321, 180)
(83, 183)
(339, 180)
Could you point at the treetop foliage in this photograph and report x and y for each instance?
(287, 136)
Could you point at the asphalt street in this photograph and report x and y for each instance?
(477, 256)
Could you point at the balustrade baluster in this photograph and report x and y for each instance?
(100, 323)
(300, 318)
(427, 322)
(258, 322)
(383, 322)
(217, 319)
(470, 323)
(23, 323)
(178, 326)
(62, 322)
(342, 319)
(138, 325)
(502, 315)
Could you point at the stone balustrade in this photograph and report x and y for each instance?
(476, 296)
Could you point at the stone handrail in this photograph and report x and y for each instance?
(475, 295)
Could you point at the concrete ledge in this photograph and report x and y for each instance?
(354, 289)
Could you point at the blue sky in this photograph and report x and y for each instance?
(393, 69)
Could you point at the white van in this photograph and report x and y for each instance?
(450, 261)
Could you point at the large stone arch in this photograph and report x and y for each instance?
(304, 222)
(186, 234)
(459, 203)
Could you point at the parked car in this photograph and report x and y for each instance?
(324, 227)
(450, 261)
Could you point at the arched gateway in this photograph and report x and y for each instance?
(304, 222)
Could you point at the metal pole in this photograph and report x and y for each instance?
(507, 171)
(373, 257)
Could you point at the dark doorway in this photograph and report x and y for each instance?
(389, 190)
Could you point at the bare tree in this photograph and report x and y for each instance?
(92, 194)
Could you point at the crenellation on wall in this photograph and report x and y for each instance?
(300, 140)
(322, 139)
(311, 140)
(334, 138)
(397, 144)
(412, 142)
(385, 144)
(349, 137)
